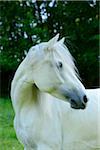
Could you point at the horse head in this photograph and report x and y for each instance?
(54, 72)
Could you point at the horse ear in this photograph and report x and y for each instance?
(62, 40)
(53, 40)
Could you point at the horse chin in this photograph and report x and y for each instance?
(75, 106)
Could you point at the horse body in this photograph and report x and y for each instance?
(45, 122)
(59, 126)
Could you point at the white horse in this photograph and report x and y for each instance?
(43, 84)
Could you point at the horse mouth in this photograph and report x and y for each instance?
(74, 105)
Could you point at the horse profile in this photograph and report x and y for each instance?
(53, 110)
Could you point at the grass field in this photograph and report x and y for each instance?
(8, 140)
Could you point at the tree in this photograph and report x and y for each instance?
(26, 23)
(20, 29)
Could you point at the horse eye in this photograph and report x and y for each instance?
(60, 65)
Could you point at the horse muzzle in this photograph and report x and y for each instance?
(79, 104)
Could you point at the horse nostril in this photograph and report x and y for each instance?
(85, 99)
(73, 102)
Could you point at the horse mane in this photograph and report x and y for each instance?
(67, 57)
(62, 51)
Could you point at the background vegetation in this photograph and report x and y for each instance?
(8, 139)
(26, 23)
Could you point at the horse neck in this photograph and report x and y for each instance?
(24, 92)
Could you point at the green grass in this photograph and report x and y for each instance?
(8, 140)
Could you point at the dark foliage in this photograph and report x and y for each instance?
(26, 23)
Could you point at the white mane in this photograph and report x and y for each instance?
(56, 48)
(66, 56)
